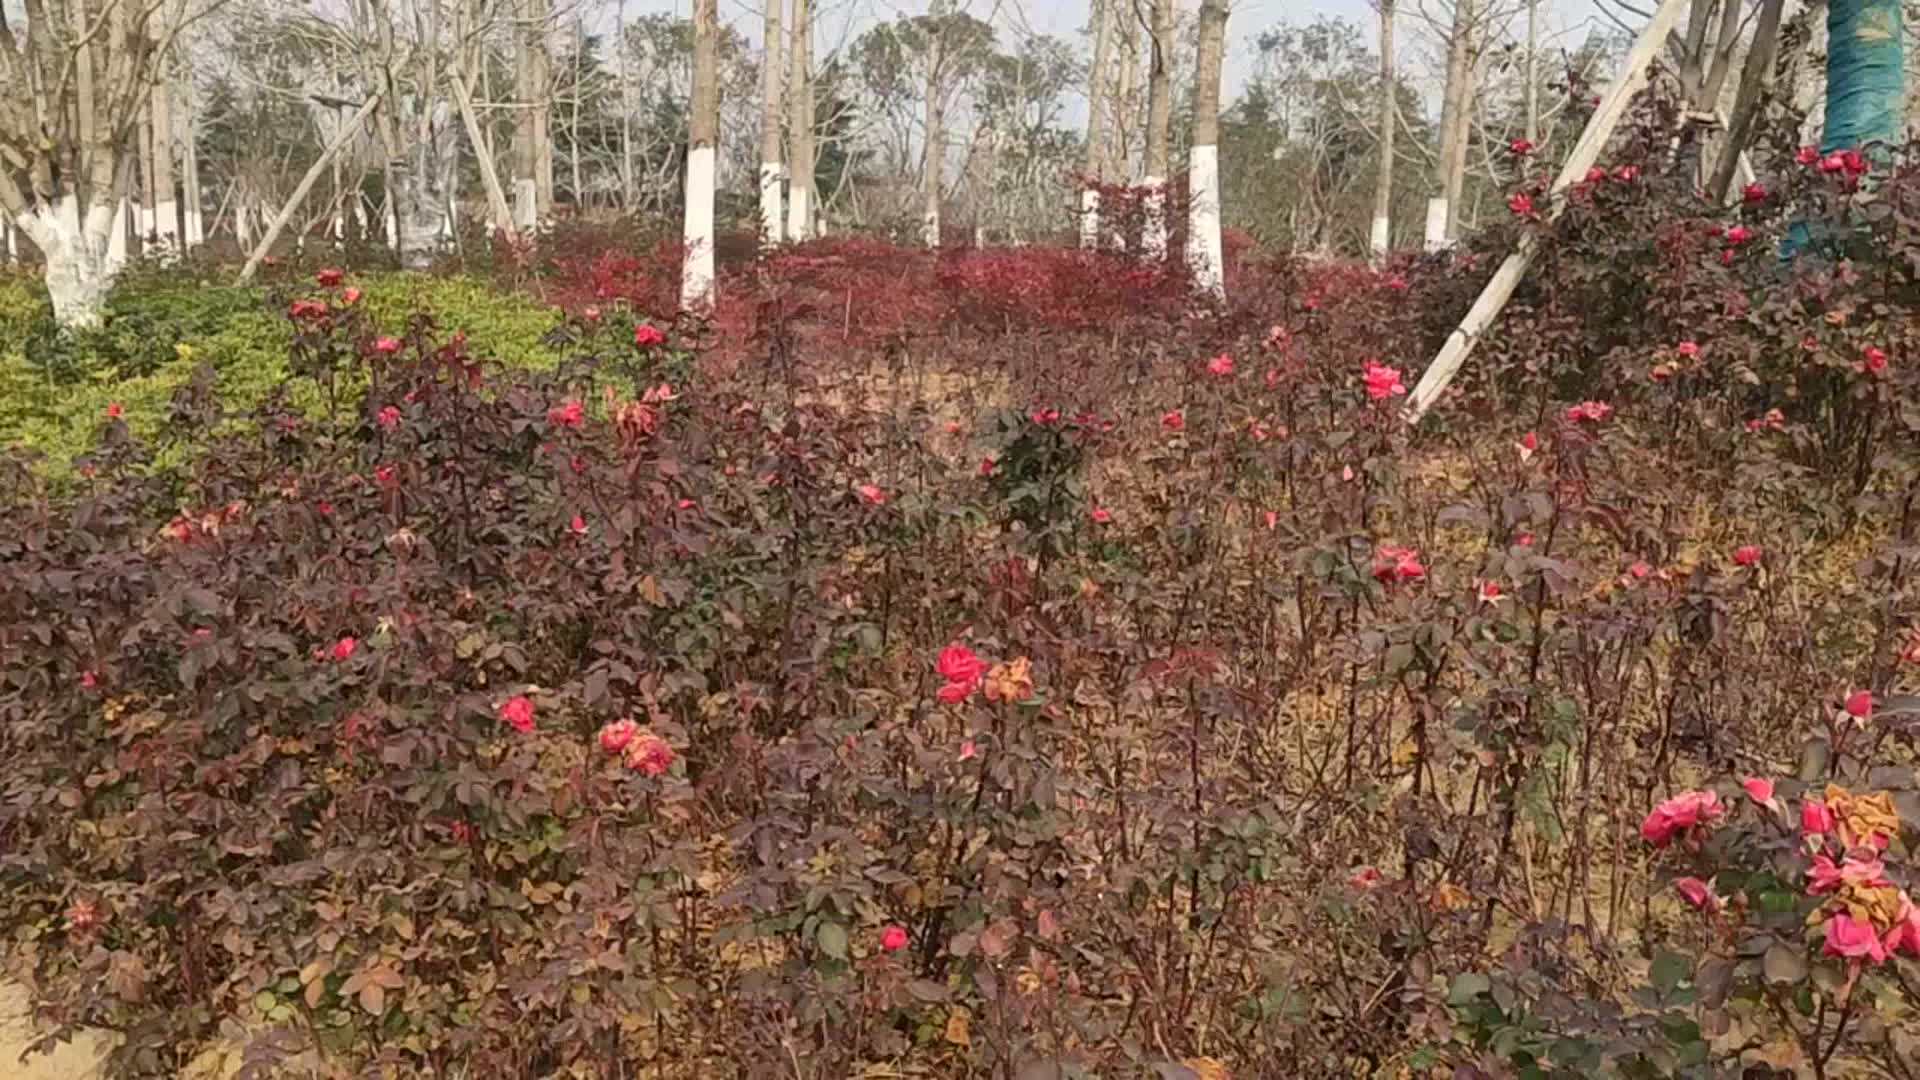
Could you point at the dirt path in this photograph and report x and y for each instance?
(77, 1060)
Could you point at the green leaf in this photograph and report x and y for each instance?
(1467, 986)
(1782, 965)
(833, 940)
(1669, 968)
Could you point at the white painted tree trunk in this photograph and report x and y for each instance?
(1153, 212)
(1089, 219)
(1205, 259)
(1436, 234)
(1204, 253)
(526, 204)
(81, 256)
(703, 123)
(696, 278)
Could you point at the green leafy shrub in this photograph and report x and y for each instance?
(159, 329)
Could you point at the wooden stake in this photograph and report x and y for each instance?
(306, 184)
(1585, 152)
(489, 179)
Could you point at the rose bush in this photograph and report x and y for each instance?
(935, 680)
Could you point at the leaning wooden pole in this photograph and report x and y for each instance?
(299, 195)
(503, 221)
(1585, 152)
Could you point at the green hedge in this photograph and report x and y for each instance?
(54, 387)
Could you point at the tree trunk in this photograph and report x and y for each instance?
(196, 233)
(936, 149)
(1866, 77)
(1103, 18)
(1533, 71)
(772, 213)
(540, 51)
(1754, 76)
(1204, 254)
(1126, 94)
(573, 139)
(1380, 236)
(1455, 105)
(81, 258)
(526, 200)
(165, 207)
(1153, 237)
(800, 163)
(703, 122)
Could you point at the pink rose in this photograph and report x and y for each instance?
(1678, 814)
(1758, 789)
(1697, 892)
(1394, 564)
(1848, 937)
(649, 754)
(615, 735)
(1904, 936)
(647, 335)
(893, 938)
(1859, 704)
(1816, 817)
(1382, 381)
(343, 649)
(957, 663)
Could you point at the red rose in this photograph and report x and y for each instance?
(517, 711)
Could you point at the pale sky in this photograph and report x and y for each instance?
(1563, 23)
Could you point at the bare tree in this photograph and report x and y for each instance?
(772, 213)
(1204, 254)
(1456, 104)
(1103, 18)
(936, 140)
(1159, 131)
(1126, 92)
(703, 121)
(76, 81)
(1381, 232)
(801, 197)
